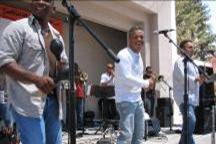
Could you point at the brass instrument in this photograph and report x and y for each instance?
(80, 75)
(83, 76)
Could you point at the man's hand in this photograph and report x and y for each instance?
(45, 84)
(113, 74)
(200, 79)
(152, 81)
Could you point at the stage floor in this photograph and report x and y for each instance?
(164, 137)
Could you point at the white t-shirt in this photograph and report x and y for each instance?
(129, 76)
(105, 77)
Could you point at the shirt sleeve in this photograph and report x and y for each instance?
(11, 44)
(125, 69)
(103, 79)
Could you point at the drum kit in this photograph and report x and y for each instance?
(99, 92)
(104, 92)
(107, 125)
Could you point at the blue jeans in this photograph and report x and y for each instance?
(79, 112)
(43, 130)
(191, 124)
(131, 122)
(6, 115)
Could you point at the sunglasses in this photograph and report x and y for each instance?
(109, 67)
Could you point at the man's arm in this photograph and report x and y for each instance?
(105, 82)
(44, 83)
(129, 79)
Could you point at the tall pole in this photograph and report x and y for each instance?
(72, 114)
(73, 18)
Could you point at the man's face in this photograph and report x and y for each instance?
(42, 8)
(136, 41)
(188, 47)
(149, 71)
(109, 68)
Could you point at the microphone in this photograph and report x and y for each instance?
(162, 31)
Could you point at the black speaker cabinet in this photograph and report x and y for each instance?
(204, 110)
(203, 120)
(206, 93)
(153, 127)
(164, 111)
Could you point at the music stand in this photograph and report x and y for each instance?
(107, 91)
(103, 92)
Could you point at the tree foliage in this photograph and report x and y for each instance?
(191, 22)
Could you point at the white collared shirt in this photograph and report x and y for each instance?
(178, 83)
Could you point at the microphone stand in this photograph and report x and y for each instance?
(73, 17)
(171, 109)
(185, 61)
(170, 103)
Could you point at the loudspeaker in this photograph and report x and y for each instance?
(203, 120)
(204, 111)
(164, 111)
(153, 127)
(89, 118)
(206, 92)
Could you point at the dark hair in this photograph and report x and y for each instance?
(133, 29)
(76, 69)
(148, 67)
(182, 43)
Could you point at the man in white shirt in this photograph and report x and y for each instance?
(128, 84)
(107, 78)
(109, 107)
(194, 81)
